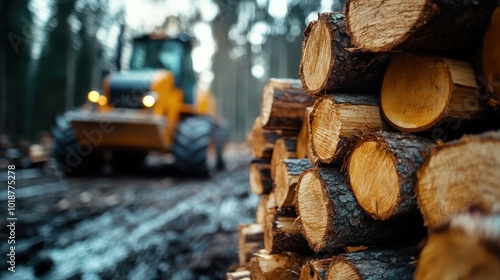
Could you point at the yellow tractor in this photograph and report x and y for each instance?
(152, 107)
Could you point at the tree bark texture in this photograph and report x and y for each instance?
(336, 119)
(332, 218)
(460, 175)
(329, 66)
(283, 104)
(454, 27)
(374, 264)
(381, 171)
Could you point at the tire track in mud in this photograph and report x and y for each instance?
(105, 244)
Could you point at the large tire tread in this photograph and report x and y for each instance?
(191, 146)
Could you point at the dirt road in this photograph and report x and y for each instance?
(152, 224)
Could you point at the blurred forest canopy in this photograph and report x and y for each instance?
(55, 51)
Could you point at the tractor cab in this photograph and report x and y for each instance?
(173, 55)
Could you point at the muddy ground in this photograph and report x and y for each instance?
(149, 224)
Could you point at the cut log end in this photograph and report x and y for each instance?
(371, 169)
(315, 269)
(325, 128)
(455, 254)
(267, 103)
(260, 177)
(316, 57)
(341, 269)
(396, 20)
(491, 59)
(336, 119)
(415, 92)
(471, 181)
(313, 213)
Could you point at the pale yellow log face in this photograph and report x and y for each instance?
(325, 128)
(374, 179)
(415, 91)
(393, 23)
(340, 270)
(312, 208)
(267, 103)
(458, 177)
(317, 56)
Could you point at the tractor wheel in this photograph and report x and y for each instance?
(221, 134)
(73, 158)
(195, 146)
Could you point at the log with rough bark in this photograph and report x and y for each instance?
(328, 65)
(381, 171)
(243, 274)
(373, 264)
(251, 240)
(459, 175)
(264, 266)
(419, 92)
(283, 104)
(335, 119)
(451, 26)
(466, 248)
(331, 217)
(491, 60)
(262, 141)
(286, 179)
(315, 270)
(260, 176)
(282, 232)
(283, 149)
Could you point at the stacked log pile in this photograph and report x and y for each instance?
(371, 153)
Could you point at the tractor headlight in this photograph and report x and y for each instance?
(93, 96)
(149, 100)
(102, 100)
